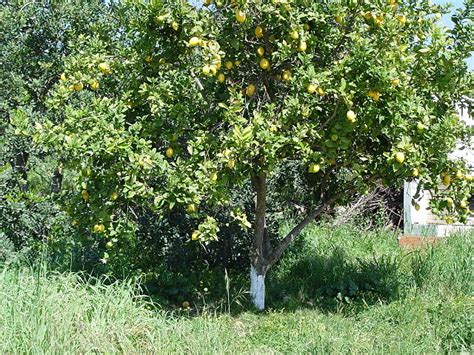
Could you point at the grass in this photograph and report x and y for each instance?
(341, 291)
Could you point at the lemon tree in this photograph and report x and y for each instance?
(181, 104)
(34, 38)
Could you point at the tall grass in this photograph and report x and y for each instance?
(341, 291)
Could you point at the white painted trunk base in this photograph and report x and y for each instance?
(257, 289)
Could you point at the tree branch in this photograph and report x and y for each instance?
(336, 108)
(299, 228)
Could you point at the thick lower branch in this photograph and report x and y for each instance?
(278, 252)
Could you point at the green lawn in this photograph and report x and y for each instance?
(338, 291)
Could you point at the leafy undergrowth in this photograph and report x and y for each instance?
(339, 291)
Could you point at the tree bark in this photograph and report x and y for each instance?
(261, 247)
(57, 180)
(19, 165)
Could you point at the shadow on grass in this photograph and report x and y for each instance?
(330, 281)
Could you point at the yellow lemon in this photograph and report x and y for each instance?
(258, 32)
(314, 168)
(160, 19)
(94, 84)
(402, 19)
(311, 88)
(286, 76)
(229, 65)
(78, 86)
(192, 208)
(169, 152)
(264, 64)
(240, 16)
(104, 68)
(351, 116)
(194, 42)
(400, 157)
(261, 51)
(375, 95)
(195, 235)
(302, 47)
(250, 91)
(213, 69)
(114, 196)
(63, 77)
(206, 70)
(446, 180)
(295, 35)
(378, 21)
(450, 202)
(221, 78)
(85, 195)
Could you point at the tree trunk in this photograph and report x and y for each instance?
(261, 247)
(257, 289)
